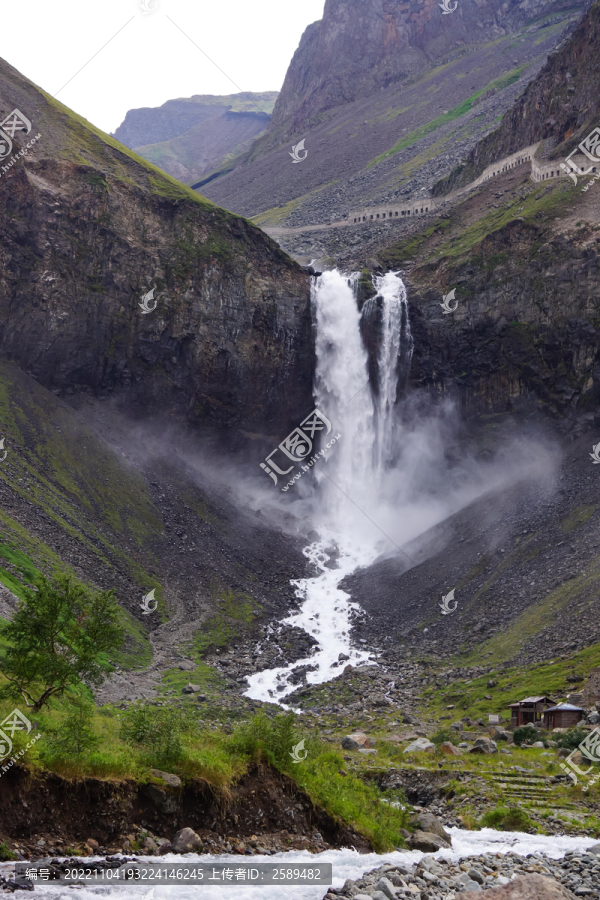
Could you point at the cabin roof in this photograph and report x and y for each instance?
(567, 707)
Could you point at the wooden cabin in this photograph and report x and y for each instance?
(528, 710)
(563, 715)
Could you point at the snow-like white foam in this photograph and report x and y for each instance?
(324, 614)
(346, 864)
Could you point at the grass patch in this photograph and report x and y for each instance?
(87, 138)
(576, 518)
(508, 818)
(26, 571)
(455, 113)
(513, 684)
(236, 614)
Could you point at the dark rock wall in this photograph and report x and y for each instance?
(87, 228)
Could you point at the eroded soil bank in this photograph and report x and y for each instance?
(264, 809)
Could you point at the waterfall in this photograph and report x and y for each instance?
(349, 480)
(393, 361)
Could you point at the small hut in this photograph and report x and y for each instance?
(563, 715)
(528, 710)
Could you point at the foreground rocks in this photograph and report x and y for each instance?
(531, 887)
(506, 877)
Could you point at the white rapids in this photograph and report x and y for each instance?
(346, 864)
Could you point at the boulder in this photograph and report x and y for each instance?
(387, 888)
(457, 726)
(150, 845)
(366, 752)
(427, 842)
(430, 824)
(483, 745)
(378, 700)
(421, 745)
(195, 689)
(356, 741)
(165, 847)
(163, 800)
(166, 777)
(595, 849)
(185, 841)
(92, 844)
(538, 744)
(475, 875)
(448, 749)
(529, 887)
(500, 734)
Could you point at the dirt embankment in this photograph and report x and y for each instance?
(264, 807)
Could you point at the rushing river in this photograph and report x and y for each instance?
(346, 864)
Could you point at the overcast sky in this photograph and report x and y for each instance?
(150, 60)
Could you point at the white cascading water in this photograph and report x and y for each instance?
(350, 478)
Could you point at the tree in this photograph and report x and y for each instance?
(58, 637)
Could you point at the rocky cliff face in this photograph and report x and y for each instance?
(359, 48)
(559, 107)
(525, 336)
(212, 144)
(191, 138)
(153, 125)
(88, 228)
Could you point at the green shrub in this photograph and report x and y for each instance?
(158, 731)
(75, 735)
(6, 855)
(507, 818)
(442, 735)
(571, 739)
(272, 739)
(524, 733)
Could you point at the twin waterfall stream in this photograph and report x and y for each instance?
(352, 476)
